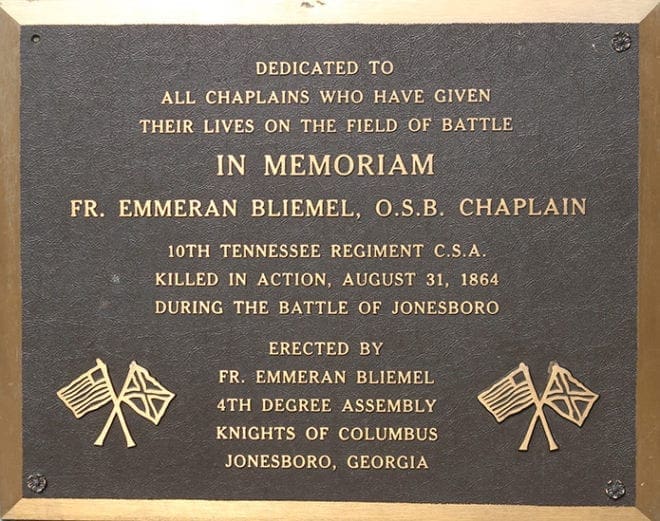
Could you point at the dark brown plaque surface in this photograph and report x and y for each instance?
(299, 267)
(558, 287)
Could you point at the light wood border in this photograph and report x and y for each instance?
(648, 362)
(162, 510)
(205, 12)
(11, 426)
(25, 12)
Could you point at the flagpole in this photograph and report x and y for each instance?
(116, 410)
(538, 415)
(551, 441)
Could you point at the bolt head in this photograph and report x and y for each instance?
(37, 483)
(621, 41)
(615, 489)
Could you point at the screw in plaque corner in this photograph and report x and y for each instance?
(37, 483)
(621, 41)
(615, 489)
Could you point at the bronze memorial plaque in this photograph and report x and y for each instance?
(309, 260)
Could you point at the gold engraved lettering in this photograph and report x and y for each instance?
(176, 208)
(188, 307)
(379, 434)
(270, 251)
(491, 207)
(387, 461)
(347, 165)
(478, 124)
(313, 307)
(299, 377)
(389, 406)
(166, 126)
(392, 377)
(322, 348)
(445, 307)
(379, 280)
(288, 279)
(178, 98)
(257, 97)
(296, 405)
(173, 279)
(279, 461)
(301, 208)
(255, 432)
(307, 68)
(397, 96)
(376, 251)
(471, 95)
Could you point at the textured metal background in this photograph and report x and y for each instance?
(568, 290)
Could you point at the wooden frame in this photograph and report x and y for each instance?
(16, 13)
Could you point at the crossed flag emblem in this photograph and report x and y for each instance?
(93, 390)
(564, 394)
